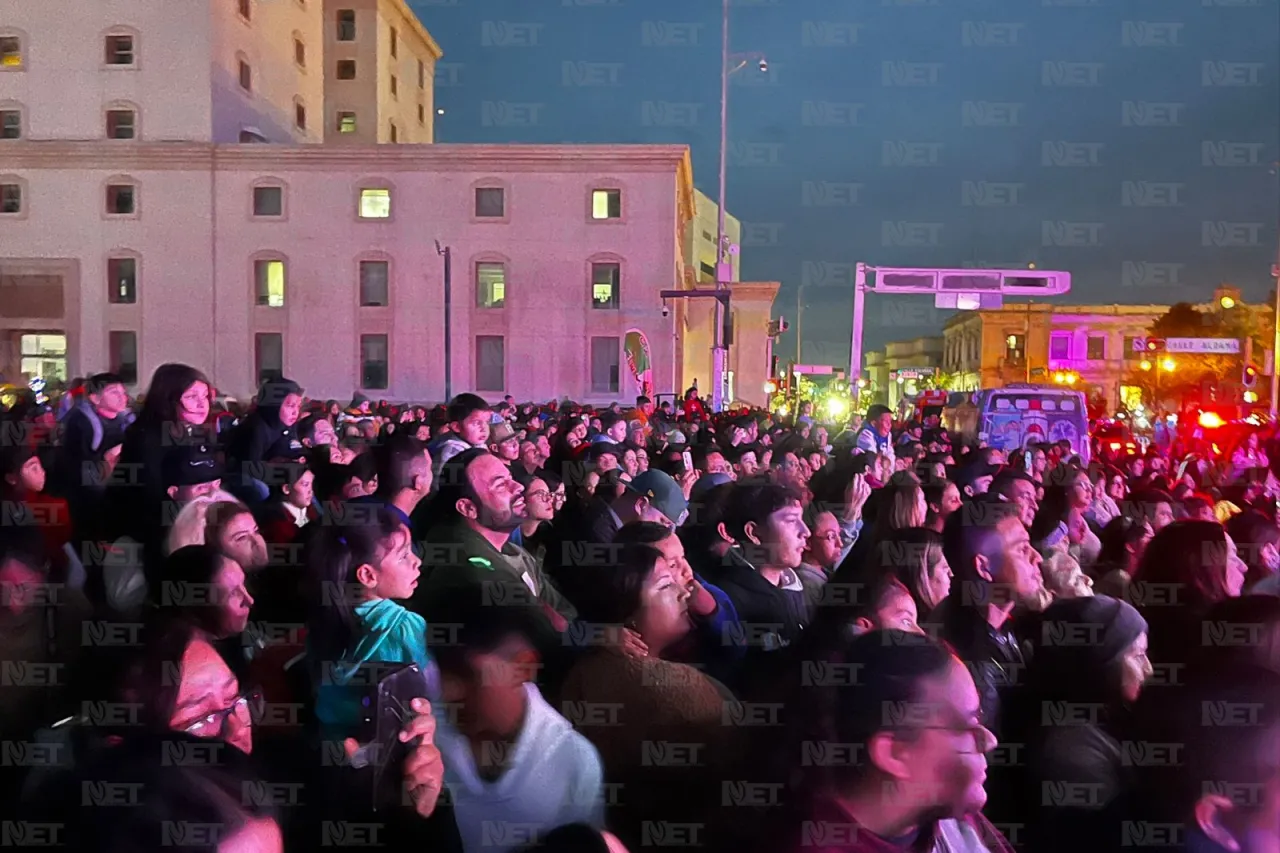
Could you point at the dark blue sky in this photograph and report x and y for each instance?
(1129, 143)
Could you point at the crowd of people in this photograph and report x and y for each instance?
(506, 626)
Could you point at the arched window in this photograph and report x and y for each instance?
(373, 279)
(605, 281)
(270, 279)
(13, 120)
(490, 272)
(13, 197)
(121, 120)
(13, 49)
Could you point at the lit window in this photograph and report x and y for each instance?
(246, 76)
(346, 69)
(122, 281)
(10, 52)
(269, 280)
(268, 356)
(490, 202)
(491, 285)
(121, 124)
(44, 356)
(395, 86)
(300, 53)
(300, 115)
(346, 122)
(491, 363)
(122, 199)
(346, 25)
(375, 204)
(605, 279)
(10, 198)
(395, 134)
(122, 358)
(268, 201)
(606, 204)
(244, 8)
(374, 369)
(395, 43)
(10, 124)
(119, 50)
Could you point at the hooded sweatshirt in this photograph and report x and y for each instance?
(388, 633)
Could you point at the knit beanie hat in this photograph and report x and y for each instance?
(1105, 626)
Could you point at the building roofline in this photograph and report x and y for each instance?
(168, 156)
(418, 27)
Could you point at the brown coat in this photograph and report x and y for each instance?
(661, 730)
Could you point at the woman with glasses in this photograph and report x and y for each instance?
(174, 680)
(544, 496)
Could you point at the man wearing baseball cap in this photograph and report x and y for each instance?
(504, 442)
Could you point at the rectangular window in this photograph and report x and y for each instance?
(374, 372)
(121, 124)
(606, 204)
(122, 281)
(10, 124)
(268, 201)
(10, 52)
(1060, 347)
(300, 53)
(491, 285)
(346, 122)
(300, 116)
(1096, 348)
(1131, 354)
(123, 356)
(490, 202)
(244, 9)
(346, 25)
(122, 199)
(604, 365)
(375, 204)
(246, 77)
(10, 198)
(269, 283)
(1015, 348)
(491, 363)
(268, 356)
(395, 86)
(395, 43)
(119, 50)
(605, 281)
(346, 69)
(44, 356)
(373, 284)
(422, 74)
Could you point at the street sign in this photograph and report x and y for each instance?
(1220, 346)
(912, 372)
(1139, 344)
(814, 369)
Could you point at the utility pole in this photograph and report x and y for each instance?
(719, 353)
(447, 253)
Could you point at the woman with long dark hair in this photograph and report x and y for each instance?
(174, 414)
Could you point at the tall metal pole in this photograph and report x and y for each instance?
(719, 354)
(1275, 342)
(799, 321)
(448, 322)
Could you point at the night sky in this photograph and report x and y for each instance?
(1130, 143)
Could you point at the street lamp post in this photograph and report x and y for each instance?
(447, 253)
(724, 266)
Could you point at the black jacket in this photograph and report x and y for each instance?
(994, 656)
(771, 618)
(260, 438)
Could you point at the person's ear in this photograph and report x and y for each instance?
(863, 625)
(286, 490)
(172, 491)
(1209, 812)
(467, 508)
(751, 531)
(641, 505)
(367, 576)
(982, 565)
(888, 754)
(723, 533)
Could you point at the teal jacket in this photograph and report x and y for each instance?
(388, 634)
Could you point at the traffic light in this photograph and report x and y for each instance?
(1155, 345)
(1250, 377)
